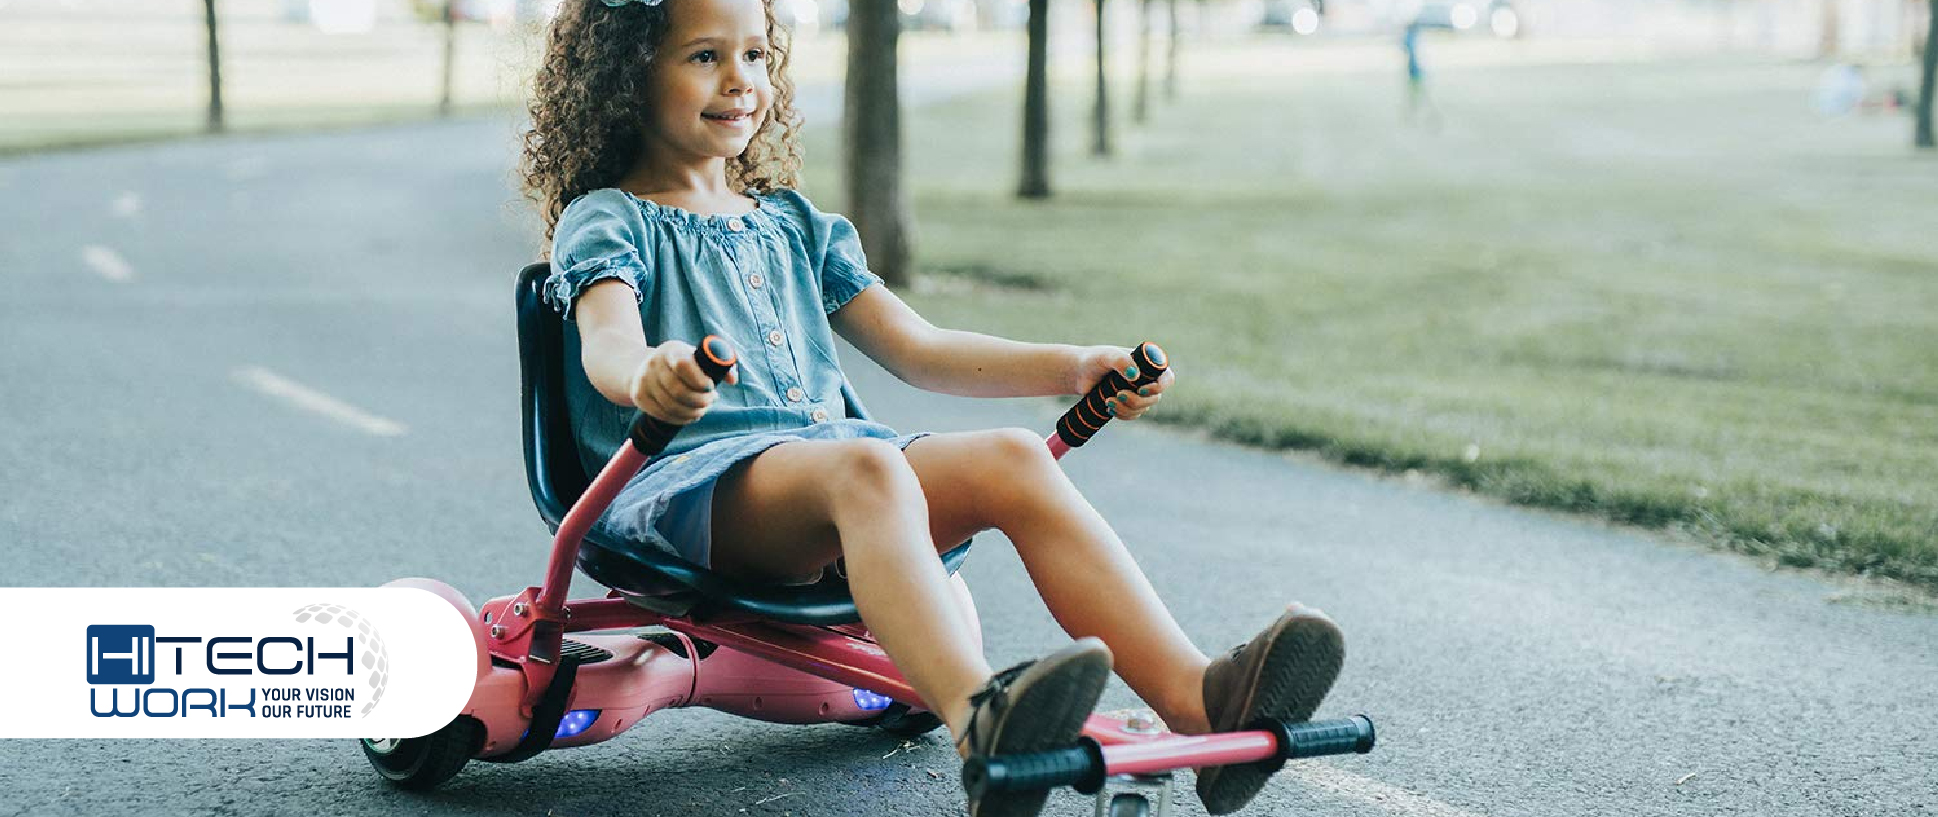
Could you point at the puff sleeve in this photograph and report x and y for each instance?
(844, 268)
(597, 237)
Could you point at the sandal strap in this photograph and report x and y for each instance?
(992, 697)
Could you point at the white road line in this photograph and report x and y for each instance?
(308, 399)
(1385, 797)
(106, 263)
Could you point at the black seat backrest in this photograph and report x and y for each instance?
(558, 478)
(551, 453)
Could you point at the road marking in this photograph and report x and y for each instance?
(106, 263)
(1385, 797)
(311, 400)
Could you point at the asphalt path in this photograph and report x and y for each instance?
(289, 361)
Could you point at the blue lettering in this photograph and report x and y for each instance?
(212, 655)
(178, 639)
(349, 646)
(251, 705)
(210, 706)
(114, 703)
(263, 647)
(148, 703)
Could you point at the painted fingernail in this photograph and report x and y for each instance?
(1130, 371)
(1144, 392)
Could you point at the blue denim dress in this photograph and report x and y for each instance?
(767, 282)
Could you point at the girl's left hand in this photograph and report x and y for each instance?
(1094, 361)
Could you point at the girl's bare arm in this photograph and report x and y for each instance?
(662, 380)
(612, 343)
(950, 361)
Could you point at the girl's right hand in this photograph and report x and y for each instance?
(670, 386)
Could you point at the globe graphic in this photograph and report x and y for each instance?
(370, 653)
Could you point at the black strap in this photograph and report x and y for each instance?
(546, 715)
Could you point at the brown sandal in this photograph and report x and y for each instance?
(1284, 672)
(1032, 707)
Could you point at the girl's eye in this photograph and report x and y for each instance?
(756, 55)
(704, 56)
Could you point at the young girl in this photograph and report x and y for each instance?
(662, 155)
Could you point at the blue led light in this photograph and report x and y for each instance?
(870, 702)
(575, 721)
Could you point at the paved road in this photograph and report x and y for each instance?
(1518, 664)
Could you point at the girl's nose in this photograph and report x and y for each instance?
(737, 80)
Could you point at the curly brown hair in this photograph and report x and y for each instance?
(590, 105)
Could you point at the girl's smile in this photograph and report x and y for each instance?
(731, 117)
(711, 89)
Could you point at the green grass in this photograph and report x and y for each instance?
(1662, 293)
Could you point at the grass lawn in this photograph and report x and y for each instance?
(1660, 292)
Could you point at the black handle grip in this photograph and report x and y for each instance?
(1089, 415)
(1343, 736)
(1081, 766)
(651, 434)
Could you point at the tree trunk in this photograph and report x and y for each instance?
(450, 55)
(1171, 52)
(1036, 107)
(1140, 110)
(872, 129)
(1100, 114)
(1924, 136)
(216, 119)
(1829, 32)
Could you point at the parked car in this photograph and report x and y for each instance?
(1296, 16)
(1497, 17)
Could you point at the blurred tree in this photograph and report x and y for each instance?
(216, 123)
(1100, 112)
(1171, 51)
(1829, 34)
(871, 127)
(450, 50)
(1036, 107)
(1140, 109)
(1923, 138)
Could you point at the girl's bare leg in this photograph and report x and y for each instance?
(1007, 479)
(776, 518)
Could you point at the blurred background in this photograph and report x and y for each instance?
(97, 70)
(1664, 262)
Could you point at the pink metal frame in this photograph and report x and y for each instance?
(527, 629)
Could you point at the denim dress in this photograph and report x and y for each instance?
(766, 281)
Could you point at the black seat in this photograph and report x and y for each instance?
(657, 579)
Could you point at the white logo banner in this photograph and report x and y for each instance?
(234, 663)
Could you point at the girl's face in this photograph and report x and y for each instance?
(709, 82)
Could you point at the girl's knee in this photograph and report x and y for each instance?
(1014, 446)
(870, 469)
(1018, 465)
(1019, 454)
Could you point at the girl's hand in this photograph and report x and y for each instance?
(670, 386)
(1094, 361)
